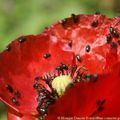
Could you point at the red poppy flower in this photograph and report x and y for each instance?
(81, 53)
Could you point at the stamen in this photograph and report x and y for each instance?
(58, 83)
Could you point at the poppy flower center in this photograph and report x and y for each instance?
(60, 83)
(52, 86)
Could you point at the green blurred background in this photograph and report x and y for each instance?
(23, 17)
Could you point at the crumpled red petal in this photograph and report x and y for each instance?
(90, 30)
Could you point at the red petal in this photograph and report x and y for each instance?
(81, 100)
(24, 62)
(100, 58)
(14, 117)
